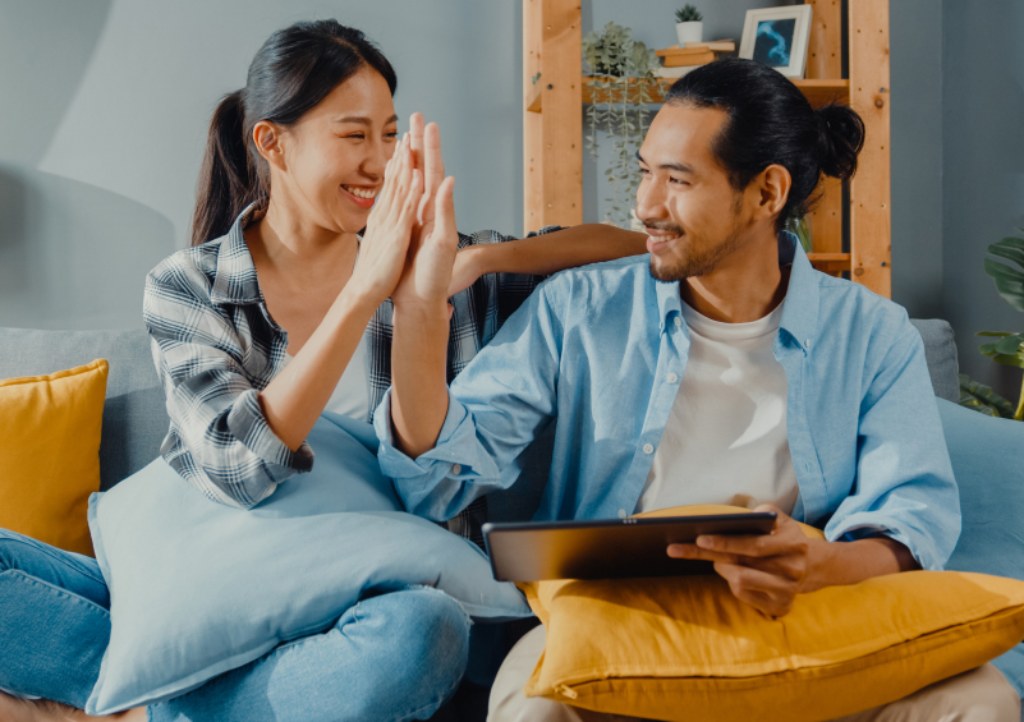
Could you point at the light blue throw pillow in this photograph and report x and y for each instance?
(987, 461)
(198, 588)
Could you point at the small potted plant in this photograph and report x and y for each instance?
(689, 25)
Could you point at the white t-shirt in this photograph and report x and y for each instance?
(725, 441)
(351, 397)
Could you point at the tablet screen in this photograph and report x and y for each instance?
(608, 549)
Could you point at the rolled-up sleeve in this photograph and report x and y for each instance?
(905, 487)
(495, 407)
(219, 437)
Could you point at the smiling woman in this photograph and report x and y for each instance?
(286, 82)
(308, 206)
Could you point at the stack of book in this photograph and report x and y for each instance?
(678, 61)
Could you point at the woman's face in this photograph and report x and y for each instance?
(334, 155)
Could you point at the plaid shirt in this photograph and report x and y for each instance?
(216, 347)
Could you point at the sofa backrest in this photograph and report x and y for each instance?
(940, 352)
(134, 417)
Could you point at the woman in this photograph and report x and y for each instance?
(277, 313)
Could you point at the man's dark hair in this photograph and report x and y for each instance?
(771, 122)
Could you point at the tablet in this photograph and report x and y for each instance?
(608, 549)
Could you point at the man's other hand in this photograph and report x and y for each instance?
(766, 571)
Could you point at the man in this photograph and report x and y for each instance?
(720, 368)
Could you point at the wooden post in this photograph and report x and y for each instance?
(870, 215)
(553, 129)
(824, 61)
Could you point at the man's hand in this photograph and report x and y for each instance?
(428, 270)
(766, 571)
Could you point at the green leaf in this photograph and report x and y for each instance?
(1011, 344)
(998, 334)
(1010, 248)
(1009, 281)
(978, 396)
(1005, 360)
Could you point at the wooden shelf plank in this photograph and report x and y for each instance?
(818, 91)
(833, 263)
(821, 92)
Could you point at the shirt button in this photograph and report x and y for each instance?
(672, 377)
(622, 513)
(456, 469)
(648, 448)
(679, 322)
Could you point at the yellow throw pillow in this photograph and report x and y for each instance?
(686, 649)
(49, 453)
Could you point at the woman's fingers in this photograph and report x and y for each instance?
(392, 177)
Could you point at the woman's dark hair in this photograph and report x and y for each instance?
(293, 71)
(771, 122)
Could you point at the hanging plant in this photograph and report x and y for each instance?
(623, 85)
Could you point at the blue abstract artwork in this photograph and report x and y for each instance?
(774, 42)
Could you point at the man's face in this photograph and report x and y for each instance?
(694, 218)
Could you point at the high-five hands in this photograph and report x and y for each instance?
(389, 228)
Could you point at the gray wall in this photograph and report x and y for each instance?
(917, 154)
(106, 104)
(983, 170)
(104, 118)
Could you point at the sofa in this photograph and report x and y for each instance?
(985, 451)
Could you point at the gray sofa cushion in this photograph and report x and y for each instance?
(134, 417)
(940, 351)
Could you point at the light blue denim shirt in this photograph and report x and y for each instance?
(601, 350)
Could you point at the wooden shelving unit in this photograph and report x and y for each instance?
(554, 92)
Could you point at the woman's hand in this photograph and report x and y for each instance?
(389, 228)
(428, 272)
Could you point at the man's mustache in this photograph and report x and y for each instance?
(662, 226)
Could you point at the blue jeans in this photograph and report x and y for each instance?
(397, 656)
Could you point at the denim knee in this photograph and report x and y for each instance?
(445, 628)
(434, 632)
(9, 550)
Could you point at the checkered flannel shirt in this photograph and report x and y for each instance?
(216, 347)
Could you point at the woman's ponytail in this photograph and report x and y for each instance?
(227, 181)
(840, 138)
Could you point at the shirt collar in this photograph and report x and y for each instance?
(235, 281)
(800, 307)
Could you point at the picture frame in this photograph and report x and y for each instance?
(778, 38)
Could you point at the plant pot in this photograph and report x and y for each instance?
(690, 32)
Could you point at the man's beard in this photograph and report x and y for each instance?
(695, 264)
